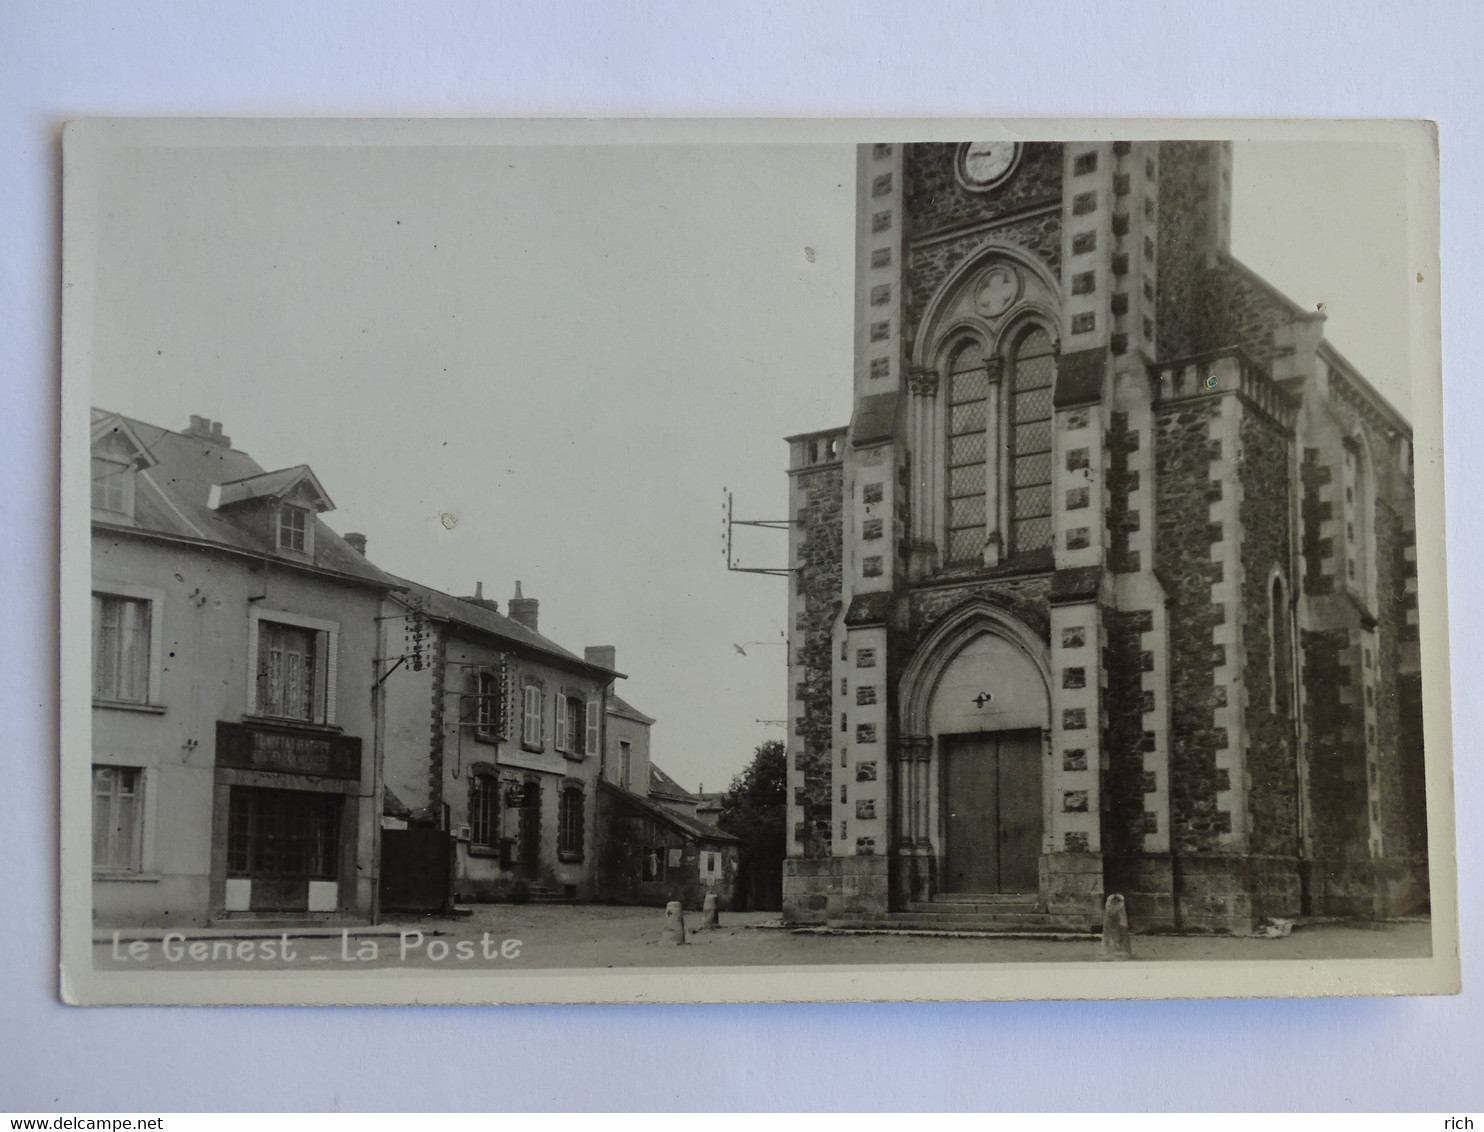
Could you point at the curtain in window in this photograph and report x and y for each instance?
(286, 660)
(115, 817)
(121, 630)
(1033, 379)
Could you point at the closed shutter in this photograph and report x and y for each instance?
(559, 711)
(594, 716)
(531, 728)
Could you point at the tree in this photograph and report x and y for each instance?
(755, 809)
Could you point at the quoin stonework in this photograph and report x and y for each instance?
(1109, 584)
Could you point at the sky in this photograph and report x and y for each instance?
(549, 363)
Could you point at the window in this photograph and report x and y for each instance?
(1033, 377)
(530, 732)
(568, 711)
(121, 648)
(487, 709)
(1357, 518)
(283, 833)
(1282, 658)
(570, 824)
(484, 810)
(117, 818)
(968, 397)
(292, 663)
(287, 671)
(625, 763)
(113, 486)
(293, 529)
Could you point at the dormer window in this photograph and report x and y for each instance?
(113, 487)
(294, 530)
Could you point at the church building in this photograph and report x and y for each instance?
(1109, 584)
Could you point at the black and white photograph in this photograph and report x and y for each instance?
(752, 561)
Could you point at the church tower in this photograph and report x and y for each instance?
(1047, 623)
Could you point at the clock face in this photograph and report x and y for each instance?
(984, 164)
(997, 289)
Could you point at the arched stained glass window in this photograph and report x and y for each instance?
(968, 394)
(1032, 380)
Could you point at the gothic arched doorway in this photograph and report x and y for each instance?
(977, 704)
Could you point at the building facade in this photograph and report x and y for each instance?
(494, 747)
(1108, 585)
(652, 847)
(233, 762)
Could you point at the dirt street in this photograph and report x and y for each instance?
(553, 936)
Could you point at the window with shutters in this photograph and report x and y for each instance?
(287, 672)
(488, 705)
(117, 818)
(292, 662)
(531, 737)
(570, 823)
(123, 633)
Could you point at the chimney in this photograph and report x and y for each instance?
(604, 656)
(480, 600)
(356, 540)
(523, 609)
(208, 430)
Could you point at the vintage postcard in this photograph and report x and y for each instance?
(728, 561)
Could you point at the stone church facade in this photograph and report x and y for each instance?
(1109, 584)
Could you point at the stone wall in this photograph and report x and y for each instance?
(932, 262)
(821, 889)
(934, 199)
(1270, 714)
(819, 561)
(1184, 537)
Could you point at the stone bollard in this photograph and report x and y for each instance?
(674, 923)
(708, 912)
(1116, 942)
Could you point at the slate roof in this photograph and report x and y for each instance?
(172, 497)
(662, 783)
(620, 706)
(691, 827)
(470, 615)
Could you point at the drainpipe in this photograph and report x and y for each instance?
(378, 785)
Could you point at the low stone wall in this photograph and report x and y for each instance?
(1072, 885)
(1382, 887)
(819, 889)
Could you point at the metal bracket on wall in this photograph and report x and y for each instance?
(728, 522)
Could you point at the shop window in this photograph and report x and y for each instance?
(489, 704)
(285, 834)
(117, 818)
